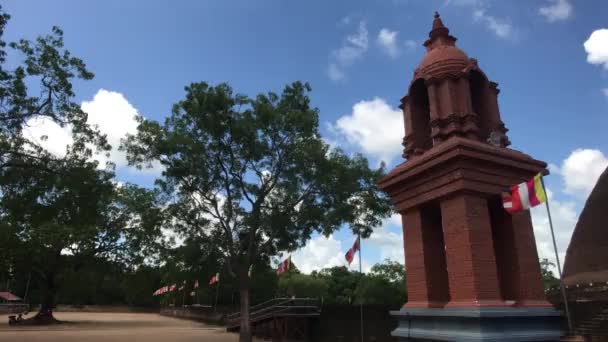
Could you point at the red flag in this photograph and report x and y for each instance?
(214, 279)
(350, 255)
(172, 288)
(284, 266)
(196, 284)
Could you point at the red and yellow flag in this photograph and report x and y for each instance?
(525, 195)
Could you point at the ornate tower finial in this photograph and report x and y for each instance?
(438, 28)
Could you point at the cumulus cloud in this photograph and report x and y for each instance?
(581, 170)
(320, 252)
(596, 47)
(387, 40)
(556, 10)
(353, 48)
(375, 127)
(110, 111)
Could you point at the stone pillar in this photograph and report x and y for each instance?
(427, 284)
(471, 265)
(530, 290)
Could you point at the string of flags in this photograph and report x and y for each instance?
(174, 287)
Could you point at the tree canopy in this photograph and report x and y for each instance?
(253, 174)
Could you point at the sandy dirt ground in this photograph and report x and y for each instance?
(102, 327)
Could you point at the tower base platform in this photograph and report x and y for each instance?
(478, 324)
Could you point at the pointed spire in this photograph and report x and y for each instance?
(439, 30)
(437, 23)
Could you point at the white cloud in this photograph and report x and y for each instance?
(556, 10)
(353, 48)
(389, 243)
(581, 171)
(499, 26)
(108, 110)
(320, 252)
(374, 126)
(564, 217)
(387, 40)
(605, 92)
(596, 47)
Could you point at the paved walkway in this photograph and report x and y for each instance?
(102, 327)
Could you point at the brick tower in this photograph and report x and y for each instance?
(472, 269)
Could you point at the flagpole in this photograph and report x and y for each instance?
(559, 267)
(360, 271)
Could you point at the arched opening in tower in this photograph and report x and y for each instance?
(480, 100)
(421, 115)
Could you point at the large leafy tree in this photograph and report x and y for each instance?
(254, 176)
(53, 205)
(38, 86)
(77, 212)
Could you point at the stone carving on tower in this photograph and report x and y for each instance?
(449, 96)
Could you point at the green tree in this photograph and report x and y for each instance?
(392, 271)
(302, 285)
(341, 284)
(254, 175)
(385, 284)
(51, 69)
(77, 212)
(549, 280)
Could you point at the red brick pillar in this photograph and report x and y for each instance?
(529, 289)
(427, 283)
(471, 264)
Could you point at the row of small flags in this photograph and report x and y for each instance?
(171, 288)
(349, 256)
(515, 198)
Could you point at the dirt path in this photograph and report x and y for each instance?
(128, 327)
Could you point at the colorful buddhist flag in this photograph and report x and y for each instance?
(214, 279)
(350, 255)
(172, 288)
(192, 294)
(284, 266)
(525, 195)
(196, 284)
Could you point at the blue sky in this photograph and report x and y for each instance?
(359, 57)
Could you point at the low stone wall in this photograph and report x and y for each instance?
(198, 313)
(341, 323)
(337, 323)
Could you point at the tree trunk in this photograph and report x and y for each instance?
(47, 289)
(245, 330)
